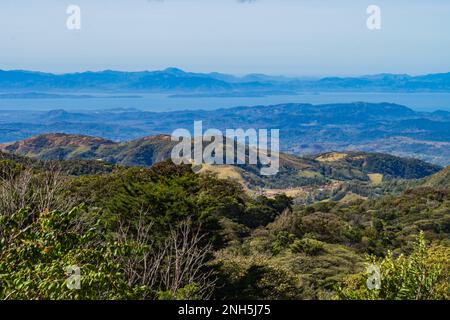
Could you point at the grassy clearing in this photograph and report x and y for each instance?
(334, 156)
(223, 172)
(309, 174)
(375, 178)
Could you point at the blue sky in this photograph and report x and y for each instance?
(290, 37)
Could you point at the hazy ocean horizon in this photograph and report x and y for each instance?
(164, 102)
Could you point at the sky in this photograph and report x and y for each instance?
(280, 37)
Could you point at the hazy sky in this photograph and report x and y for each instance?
(292, 37)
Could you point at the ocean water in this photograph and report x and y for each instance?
(162, 102)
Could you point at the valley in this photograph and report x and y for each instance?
(304, 129)
(355, 181)
(333, 175)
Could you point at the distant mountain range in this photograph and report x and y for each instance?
(304, 128)
(174, 80)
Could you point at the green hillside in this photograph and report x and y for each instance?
(368, 168)
(439, 180)
(132, 228)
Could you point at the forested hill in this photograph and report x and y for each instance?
(165, 232)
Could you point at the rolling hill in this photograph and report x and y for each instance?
(322, 169)
(440, 180)
(145, 151)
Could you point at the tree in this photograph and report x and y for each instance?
(35, 257)
(21, 187)
(175, 268)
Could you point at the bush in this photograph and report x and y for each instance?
(282, 241)
(309, 246)
(423, 275)
(34, 258)
(255, 278)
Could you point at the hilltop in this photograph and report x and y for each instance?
(58, 146)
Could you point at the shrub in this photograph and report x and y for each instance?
(309, 246)
(34, 258)
(282, 241)
(256, 278)
(423, 275)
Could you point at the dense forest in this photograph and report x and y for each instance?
(165, 232)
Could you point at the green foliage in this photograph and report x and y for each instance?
(166, 193)
(262, 210)
(423, 275)
(327, 241)
(258, 248)
(10, 168)
(282, 241)
(309, 246)
(34, 258)
(255, 278)
(188, 292)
